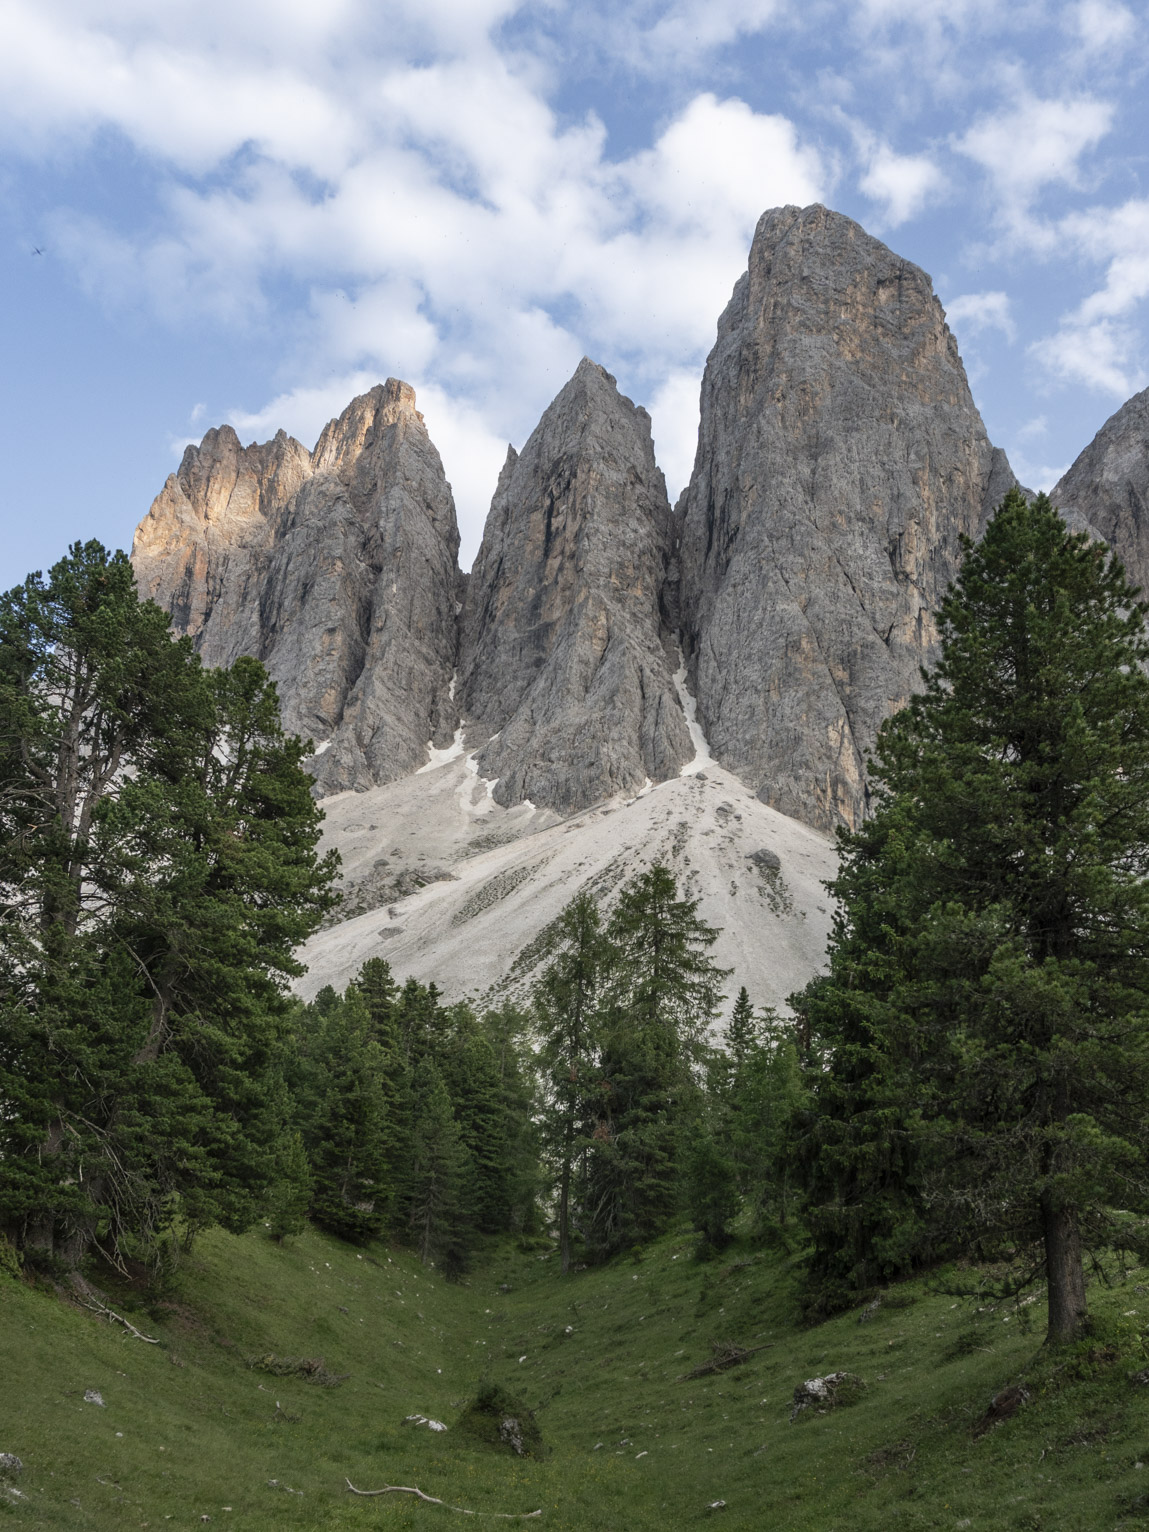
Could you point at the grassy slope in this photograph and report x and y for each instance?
(201, 1431)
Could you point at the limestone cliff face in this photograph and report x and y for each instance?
(566, 653)
(337, 568)
(840, 458)
(1107, 488)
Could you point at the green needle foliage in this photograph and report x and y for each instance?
(663, 994)
(157, 870)
(979, 1051)
(567, 1019)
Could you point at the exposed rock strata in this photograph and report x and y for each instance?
(840, 458)
(337, 568)
(567, 656)
(1107, 488)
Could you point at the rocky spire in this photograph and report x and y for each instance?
(566, 655)
(337, 568)
(840, 459)
(1107, 489)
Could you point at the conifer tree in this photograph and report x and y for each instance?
(157, 870)
(438, 1217)
(981, 1042)
(663, 996)
(566, 1007)
(291, 1193)
(346, 1130)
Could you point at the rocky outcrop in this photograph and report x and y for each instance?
(840, 459)
(1107, 489)
(337, 568)
(567, 657)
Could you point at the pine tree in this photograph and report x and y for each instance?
(157, 871)
(438, 1217)
(663, 996)
(345, 1127)
(291, 1193)
(566, 1008)
(980, 1043)
(712, 1190)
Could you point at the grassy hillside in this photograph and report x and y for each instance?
(190, 1429)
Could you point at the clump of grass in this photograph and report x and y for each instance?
(312, 1369)
(501, 1419)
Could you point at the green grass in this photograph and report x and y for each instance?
(190, 1429)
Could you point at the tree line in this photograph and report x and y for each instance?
(967, 1081)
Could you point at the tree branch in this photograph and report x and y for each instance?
(402, 1489)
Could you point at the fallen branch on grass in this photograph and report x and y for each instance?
(403, 1489)
(725, 1356)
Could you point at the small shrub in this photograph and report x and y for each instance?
(500, 1419)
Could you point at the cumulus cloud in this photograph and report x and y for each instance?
(1034, 145)
(973, 312)
(902, 184)
(1101, 25)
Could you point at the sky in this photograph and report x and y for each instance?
(251, 210)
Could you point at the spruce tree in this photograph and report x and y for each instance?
(663, 996)
(981, 1043)
(438, 1216)
(566, 1007)
(345, 1131)
(157, 871)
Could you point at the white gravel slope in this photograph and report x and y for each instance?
(466, 933)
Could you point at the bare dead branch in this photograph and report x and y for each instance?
(403, 1489)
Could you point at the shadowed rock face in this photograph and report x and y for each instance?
(840, 459)
(1107, 489)
(337, 568)
(566, 653)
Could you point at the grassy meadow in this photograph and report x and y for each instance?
(191, 1430)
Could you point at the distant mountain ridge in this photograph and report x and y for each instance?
(840, 461)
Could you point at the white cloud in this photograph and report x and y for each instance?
(687, 28)
(974, 312)
(674, 423)
(1034, 145)
(1098, 343)
(472, 456)
(1101, 25)
(1037, 142)
(904, 183)
(1102, 355)
(1120, 237)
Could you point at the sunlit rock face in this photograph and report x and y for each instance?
(568, 653)
(337, 568)
(1107, 489)
(840, 459)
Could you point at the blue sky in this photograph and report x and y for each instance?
(251, 210)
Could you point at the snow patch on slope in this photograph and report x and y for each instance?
(702, 755)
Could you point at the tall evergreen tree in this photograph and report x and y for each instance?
(981, 1041)
(157, 869)
(663, 996)
(566, 1007)
(345, 1123)
(438, 1215)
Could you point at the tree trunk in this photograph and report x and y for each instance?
(1064, 1273)
(564, 1215)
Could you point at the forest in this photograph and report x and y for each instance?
(965, 1082)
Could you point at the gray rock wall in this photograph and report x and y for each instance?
(337, 568)
(1107, 488)
(566, 653)
(840, 458)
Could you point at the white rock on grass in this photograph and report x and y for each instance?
(424, 1420)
